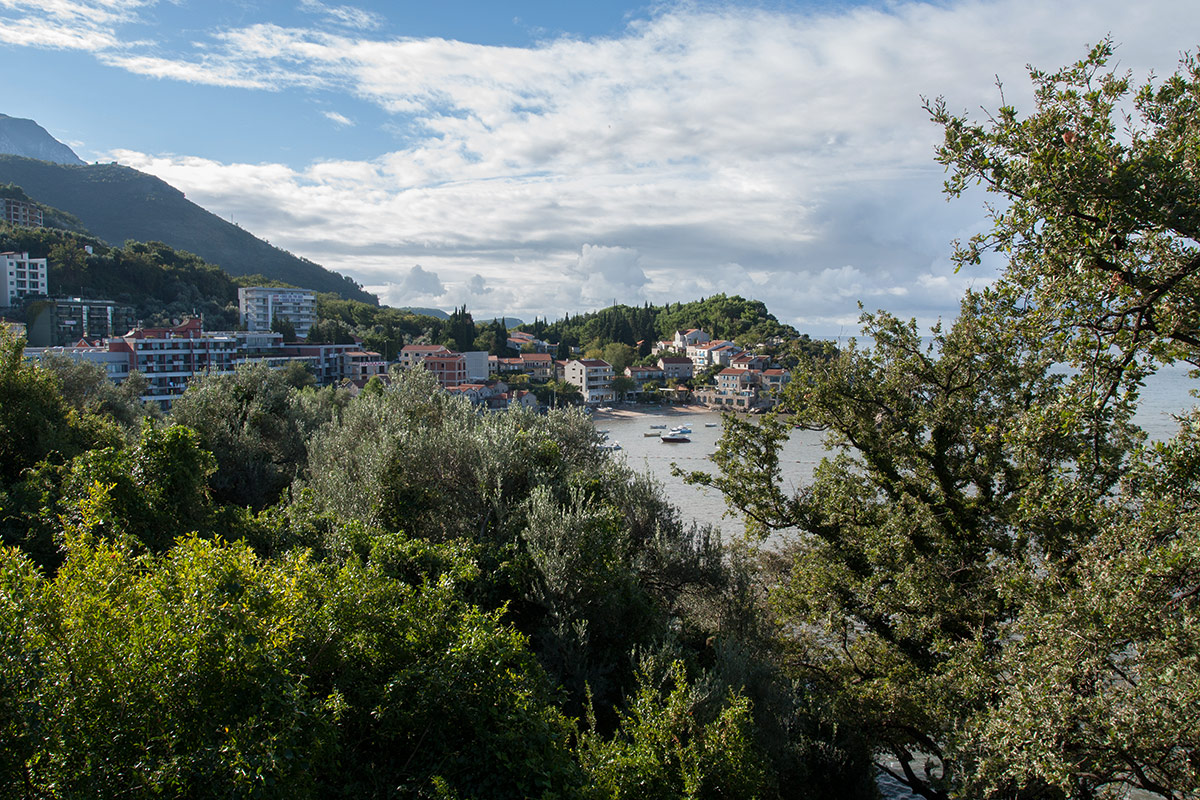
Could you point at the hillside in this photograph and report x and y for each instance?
(722, 317)
(161, 284)
(119, 204)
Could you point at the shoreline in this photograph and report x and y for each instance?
(633, 410)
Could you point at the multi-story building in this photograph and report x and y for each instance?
(745, 389)
(771, 383)
(169, 357)
(115, 364)
(676, 367)
(78, 318)
(361, 365)
(22, 277)
(593, 377)
(640, 375)
(750, 361)
(450, 368)
(478, 366)
(20, 212)
(710, 354)
(685, 339)
(539, 366)
(260, 306)
(412, 355)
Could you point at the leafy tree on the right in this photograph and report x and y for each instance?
(993, 578)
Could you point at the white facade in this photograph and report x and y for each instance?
(23, 277)
(686, 339)
(259, 306)
(116, 365)
(594, 379)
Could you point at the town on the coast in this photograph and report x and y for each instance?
(276, 326)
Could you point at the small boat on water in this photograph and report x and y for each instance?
(674, 438)
(711, 424)
(658, 427)
(681, 429)
(611, 446)
(649, 434)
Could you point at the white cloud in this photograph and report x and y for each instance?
(707, 148)
(349, 16)
(341, 119)
(477, 286)
(609, 275)
(421, 283)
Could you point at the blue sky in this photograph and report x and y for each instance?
(547, 157)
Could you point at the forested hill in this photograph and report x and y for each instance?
(160, 283)
(722, 317)
(119, 204)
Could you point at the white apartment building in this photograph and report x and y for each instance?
(23, 277)
(593, 377)
(259, 306)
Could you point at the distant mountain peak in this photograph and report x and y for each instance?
(24, 137)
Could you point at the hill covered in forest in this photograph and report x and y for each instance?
(119, 204)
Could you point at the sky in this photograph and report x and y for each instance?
(541, 158)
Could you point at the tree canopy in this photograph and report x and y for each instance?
(992, 573)
(1100, 212)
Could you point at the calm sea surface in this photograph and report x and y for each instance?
(1165, 394)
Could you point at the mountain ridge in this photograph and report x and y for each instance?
(24, 137)
(118, 203)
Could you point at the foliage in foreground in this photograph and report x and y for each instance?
(991, 573)
(424, 612)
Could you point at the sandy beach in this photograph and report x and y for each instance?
(630, 410)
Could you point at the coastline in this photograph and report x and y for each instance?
(632, 410)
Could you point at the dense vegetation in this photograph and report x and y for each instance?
(120, 204)
(162, 284)
(293, 593)
(51, 217)
(994, 575)
(734, 318)
(385, 330)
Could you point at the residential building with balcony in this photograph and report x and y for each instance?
(170, 357)
(22, 277)
(594, 379)
(20, 212)
(260, 306)
(710, 354)
(361, 365)
(449, 368)
(640, 375)
(64, 321)
(411, 355)
(539, 366)
(676, 367)
(114, 363)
